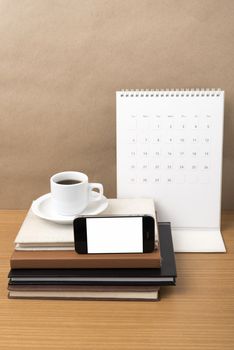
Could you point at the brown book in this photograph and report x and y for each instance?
(72, 260)
(84, 292)
(133, 296)
(81, 288)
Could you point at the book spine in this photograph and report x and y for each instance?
(56, 264)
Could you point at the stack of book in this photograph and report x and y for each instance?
(44, 264)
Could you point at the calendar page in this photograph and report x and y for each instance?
(169, 147)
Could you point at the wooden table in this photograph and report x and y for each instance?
(196, 314)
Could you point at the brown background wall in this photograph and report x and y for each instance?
(62, 61)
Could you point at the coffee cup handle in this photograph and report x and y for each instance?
(98, 195)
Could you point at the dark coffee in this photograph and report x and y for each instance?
(68, 182)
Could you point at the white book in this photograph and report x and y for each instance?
(38, 234)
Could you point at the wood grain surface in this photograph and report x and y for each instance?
(196, 314)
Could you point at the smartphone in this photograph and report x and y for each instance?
(114, 234)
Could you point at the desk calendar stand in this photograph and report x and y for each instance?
(169, 147)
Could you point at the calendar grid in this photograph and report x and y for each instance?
(169, 147)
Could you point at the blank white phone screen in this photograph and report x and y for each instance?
(114, 235)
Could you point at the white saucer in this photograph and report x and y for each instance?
(42, 207)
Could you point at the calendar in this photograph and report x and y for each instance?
(169, 147)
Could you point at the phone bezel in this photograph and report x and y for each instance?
(80, 233)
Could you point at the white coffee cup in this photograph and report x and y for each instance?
(71, 197)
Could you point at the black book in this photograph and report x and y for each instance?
(166, 275)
